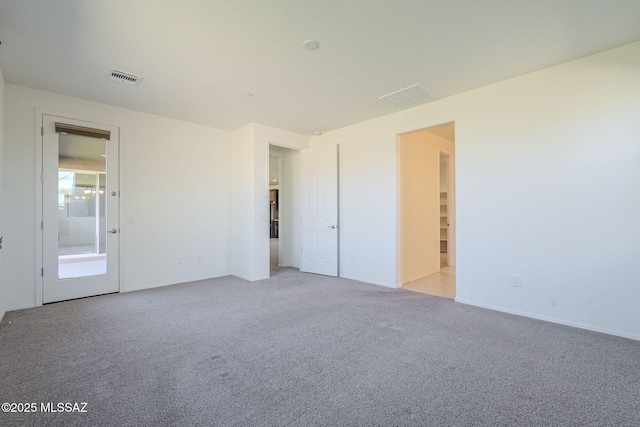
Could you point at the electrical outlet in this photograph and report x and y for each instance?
(516, 280)
(179, 260)
(199, 258)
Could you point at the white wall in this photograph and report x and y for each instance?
(175, 187)
(367, 200)
(242, 203)
(547, 186)
(2, 224)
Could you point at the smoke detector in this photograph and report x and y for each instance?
(408, 97)
(311, 44)
(126, 78)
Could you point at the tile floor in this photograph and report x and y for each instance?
(442, 284)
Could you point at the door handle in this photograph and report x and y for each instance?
(113, 231)
(333, 227)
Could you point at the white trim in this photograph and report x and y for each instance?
(121, 220)
(240, 276)
(451, 209)
(291, 146)
(181, 282)
(398, 224)
(19, 307)
(38, 262)
(62, 115)
(550, 319)
(386, 285)
(265, 199)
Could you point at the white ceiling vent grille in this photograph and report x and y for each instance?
(127, 78)
(409, 97)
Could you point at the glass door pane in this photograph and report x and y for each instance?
(81, 206)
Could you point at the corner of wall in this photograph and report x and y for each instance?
(241, 202)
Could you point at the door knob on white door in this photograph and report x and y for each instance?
(113, 231)
(332, 227)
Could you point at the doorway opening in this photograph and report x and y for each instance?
(275, 177)
(426, 176)
(283, 232)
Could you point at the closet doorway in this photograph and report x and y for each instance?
(283, 209)
(426, 228)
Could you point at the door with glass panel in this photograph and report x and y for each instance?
(80, 209)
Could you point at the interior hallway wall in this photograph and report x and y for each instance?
(242, 203)
(175, 190)
(250, 196)
(546, 177)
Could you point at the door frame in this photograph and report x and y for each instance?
(451, 209)
(39, 255)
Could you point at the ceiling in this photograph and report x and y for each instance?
(200, 59)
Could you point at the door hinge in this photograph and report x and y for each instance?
(42, 177)
(41, 130)
(41, 225)
(42, 272)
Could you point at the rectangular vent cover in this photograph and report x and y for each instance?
(122, 77)
(409, 97)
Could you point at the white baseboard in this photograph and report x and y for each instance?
(163, 284)
(386, 285)
(248, 279)
(552, 319)
(19, 307)
(240, 276)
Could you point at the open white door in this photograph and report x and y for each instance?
(80, 208)
(319, 210)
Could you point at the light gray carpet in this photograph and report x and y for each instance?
(309, 350)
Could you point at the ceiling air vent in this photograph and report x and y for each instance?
(122, 77)
(408, 97)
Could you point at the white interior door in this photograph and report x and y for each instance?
(319, 210)
(80, 195)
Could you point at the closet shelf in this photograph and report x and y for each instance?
(444, 222)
